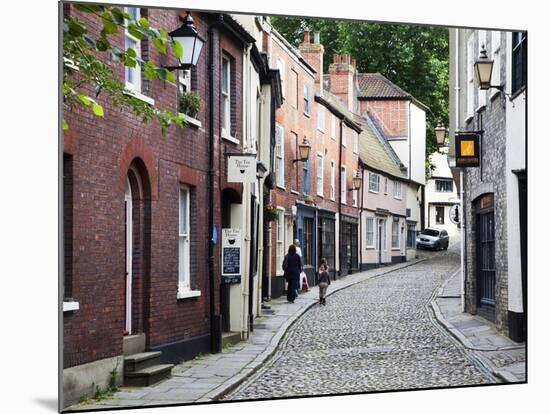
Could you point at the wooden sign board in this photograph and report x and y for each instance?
(231, 255)
(467, 150)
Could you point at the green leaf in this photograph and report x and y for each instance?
(135, 31)
(118, 15)
(131, 52)
(76, 28)
(102, 44)
(143, 22)
(177, 48)
(98, 109)
(86, 100)
(149, 70)
(65, 125)
(109, 26)
(88, 8)
(170, 77)
(159, 45)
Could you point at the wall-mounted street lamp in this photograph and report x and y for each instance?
(191, 42)
(483, 68)
(440, 132)
(303, 151)
(357, 181)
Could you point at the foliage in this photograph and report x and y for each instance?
(189, 103)
(413, 57)
(271, 213)
(86, 75)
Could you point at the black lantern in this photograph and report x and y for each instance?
(483, 68)
(357, 181)
(191, 42)
(303, 151)
(440, 131)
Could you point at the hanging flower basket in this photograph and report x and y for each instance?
(309, 200)
(271, 213)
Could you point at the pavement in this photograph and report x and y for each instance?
(210, 377)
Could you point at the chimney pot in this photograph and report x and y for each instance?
(306, 36)
(317, 37)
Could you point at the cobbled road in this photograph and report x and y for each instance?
(376, 335)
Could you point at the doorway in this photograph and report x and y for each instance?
(381, 240)
(485, 263)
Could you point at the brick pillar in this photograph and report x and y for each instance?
(313, 54)
(342, 79)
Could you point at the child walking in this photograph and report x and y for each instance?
(324, 281)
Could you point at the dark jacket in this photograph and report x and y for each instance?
(292, 266)
(324, 276)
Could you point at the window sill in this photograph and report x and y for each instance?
(468, 119)
(398, 198)
(188, 294)
(70, 306)
(281, 187)
(231, 139)
(494, 95)
(190, 120)
(370, 247)
(395, 249)
(294, 192)
(481, 108)
(517, 93)
(320, 195)
(307, 115)
(140, 96)
(374, 192)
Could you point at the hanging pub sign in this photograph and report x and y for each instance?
(231, 255)
(241, 169)
(454, 214)
(467, 150)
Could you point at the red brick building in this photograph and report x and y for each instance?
(137, 273)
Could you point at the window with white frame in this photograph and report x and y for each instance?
(333, 126)
(370, 233)
(470, 76)
(481, 41)
(495, 53)
(344, 135)
(294, 88)
(395, 235)
(282, 72)
(132, 75)
(320, 117)
(305, 181)
(343, 187)
(332, 180)
(226, 97)
(319, 174)
(280, 155)
(280, 237)
(307, 99)
(374, 182)
(355, 142)
(397, 191)
(183, 250)
(354, 193)
(385, 186)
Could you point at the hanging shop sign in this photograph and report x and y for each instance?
(241, 169)
(467, 150)
(455, 213)
(231, 255)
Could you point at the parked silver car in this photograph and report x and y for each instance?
(431, 238)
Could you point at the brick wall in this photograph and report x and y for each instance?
(102, 151)
(392, 115)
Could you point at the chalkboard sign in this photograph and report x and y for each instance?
(231, 256)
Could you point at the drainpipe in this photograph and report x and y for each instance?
(215, 326)
(360, 259)
(340, 201)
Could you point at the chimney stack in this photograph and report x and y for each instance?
(313, 55)
(342, 79)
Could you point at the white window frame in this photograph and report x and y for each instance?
(184, 80)
(355, 137)
(371, 183)
(344, 135)
(386, 186)
(135, 85)
(295, 89)
(371, 244)
(332, 194)
(470, 76)
(184, 256)
(343, 186)
(282, 71)
(395, 237)
(397, 190)
(280, 240)
(319, 173)
(481, 40)
(226, 98)
(280, 155)
(320, 117)
(495, 53)
(307, 99)
(333, 127)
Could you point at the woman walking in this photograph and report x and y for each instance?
(292, 265)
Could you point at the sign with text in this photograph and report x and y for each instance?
(467, 150)
(455, 214)
(241, 169)
(231, 255)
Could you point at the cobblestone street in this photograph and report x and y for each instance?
(377, 335)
